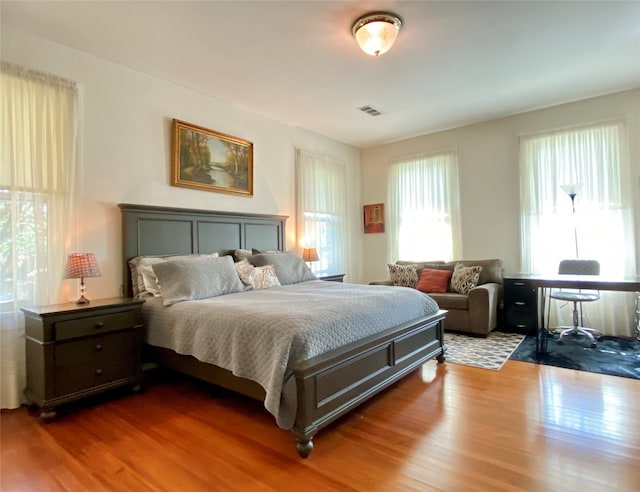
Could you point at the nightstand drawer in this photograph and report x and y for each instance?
(519, 291)
(94, 325)
(521, 319)
(95, 360)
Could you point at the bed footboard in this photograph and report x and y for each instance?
(330, 385)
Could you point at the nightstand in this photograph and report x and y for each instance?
(77, 350)
(338, 277)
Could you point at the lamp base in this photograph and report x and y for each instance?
(82, 300)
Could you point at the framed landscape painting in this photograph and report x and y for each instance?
(207, 160)
(373, 218)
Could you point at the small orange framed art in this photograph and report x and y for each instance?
(373, 218)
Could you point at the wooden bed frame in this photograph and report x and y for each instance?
(329, 385)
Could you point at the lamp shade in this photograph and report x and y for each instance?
(310, 254)
(80, 265)
(571, 189)
(376, 33)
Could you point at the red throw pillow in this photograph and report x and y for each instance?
(434, 280)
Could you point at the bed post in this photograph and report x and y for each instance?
(304, 447)
(441, 357)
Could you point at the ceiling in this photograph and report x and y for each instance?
(454, 63)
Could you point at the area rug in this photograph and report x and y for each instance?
(488, 353)
(614, 356)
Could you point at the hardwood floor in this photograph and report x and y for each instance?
(447, 428)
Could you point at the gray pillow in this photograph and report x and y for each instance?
(290, 268)
(197, 278)
(137, 278)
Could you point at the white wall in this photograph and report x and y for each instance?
(125, 154)
(125, 157)
(489, 181)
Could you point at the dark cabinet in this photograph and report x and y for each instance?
(76, 350)
(520, 306)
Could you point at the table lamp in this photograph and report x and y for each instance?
(309, 255)
(81, 265)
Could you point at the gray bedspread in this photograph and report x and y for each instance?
(258, 334)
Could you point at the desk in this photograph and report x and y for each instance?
(594, 282)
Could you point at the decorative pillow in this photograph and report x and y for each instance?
(137, 280)
(403, 275)
(257, 277)
(465, 278)
(264, 277)
(244, 270)
(434, 281)
(289, 267)
(197, 278)
(241, 254)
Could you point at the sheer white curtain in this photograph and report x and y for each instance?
(38, 159)
(424, 208)
(595, 158)
(321, 205)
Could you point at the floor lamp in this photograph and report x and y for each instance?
(572, 190)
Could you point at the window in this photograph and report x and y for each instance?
(424, 212)
(37, 163)
(23, 229)
(321, 203)
(601, 228)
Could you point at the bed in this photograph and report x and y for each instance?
(331, 371)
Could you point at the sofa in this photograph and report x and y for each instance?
(475, 311)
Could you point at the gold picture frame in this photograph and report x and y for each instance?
(207, 160)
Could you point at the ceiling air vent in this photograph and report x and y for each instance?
(370, 110)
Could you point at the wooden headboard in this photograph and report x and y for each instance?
(158, 231)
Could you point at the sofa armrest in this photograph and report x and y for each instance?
(381, 282)
(483, 307)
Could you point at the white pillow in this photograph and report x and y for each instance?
(198, 278)
(137, 279)
(150, 280)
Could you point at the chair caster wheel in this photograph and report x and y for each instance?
(594, 345)
(560, 342)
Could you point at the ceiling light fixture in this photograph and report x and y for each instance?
(376, 33)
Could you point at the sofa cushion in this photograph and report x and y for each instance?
(432, 280)
(420, 265)
(465, 278)
(451, 300)
(403, 275)
(492, 270)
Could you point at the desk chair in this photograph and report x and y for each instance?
(577, 267)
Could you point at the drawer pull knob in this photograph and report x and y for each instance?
(518, 283)
(520, 303)
(98, 372)
(99, 325)
(521, 326)
(98, 347)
